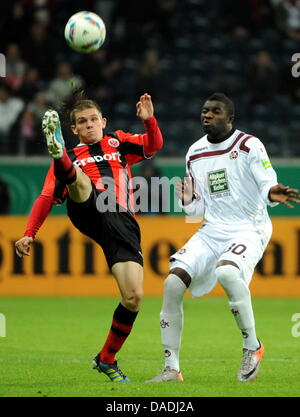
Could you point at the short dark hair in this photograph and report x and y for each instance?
(225, 100)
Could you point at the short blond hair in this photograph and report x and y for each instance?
(81, 105)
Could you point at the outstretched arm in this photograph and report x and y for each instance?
(40, 210)
(284, 194)
(38, 214)
(153, 140)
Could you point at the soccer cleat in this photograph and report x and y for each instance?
(250, 363)
(111, 370)
(52, 131)
(167, 375)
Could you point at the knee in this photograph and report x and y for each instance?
(133, 300)
(227, 274)
(173, 286)
(80, 190)
(170, 285)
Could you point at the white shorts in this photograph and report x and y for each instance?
(200, 255)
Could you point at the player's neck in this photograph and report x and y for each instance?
(220, 139)
(88, 142)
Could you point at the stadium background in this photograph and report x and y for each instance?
(179, 52)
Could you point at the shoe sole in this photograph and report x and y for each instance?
(175, 377)
(49, 125)
(163, 380)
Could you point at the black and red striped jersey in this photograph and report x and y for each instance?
(111, 157)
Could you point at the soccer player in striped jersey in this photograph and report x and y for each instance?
(100, 163)
(230, 182)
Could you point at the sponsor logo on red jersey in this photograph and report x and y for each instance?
(114, 156)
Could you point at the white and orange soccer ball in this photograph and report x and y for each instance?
(85, 32)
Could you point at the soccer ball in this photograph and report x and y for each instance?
(85, 32)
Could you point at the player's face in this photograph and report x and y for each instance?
(89, 125)
(215, 120)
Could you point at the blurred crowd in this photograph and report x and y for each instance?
(179, 51)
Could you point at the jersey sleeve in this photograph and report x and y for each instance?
(39, 212)
(261, 168)
(53, 193)
(132, 146)
(195, 208)
(143, 145)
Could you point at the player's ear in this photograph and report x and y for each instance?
(74, 129)
(104, 121)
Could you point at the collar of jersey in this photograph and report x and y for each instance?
(85, 144)
(89, 144)
(223, 138)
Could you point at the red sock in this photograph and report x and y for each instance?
(122, 323)
(64, 169)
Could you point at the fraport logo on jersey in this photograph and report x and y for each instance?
(114, 156)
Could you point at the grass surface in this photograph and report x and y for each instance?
(50, 342)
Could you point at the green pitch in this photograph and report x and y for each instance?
(50, 342)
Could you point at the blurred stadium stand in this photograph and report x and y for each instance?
(179, 51)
